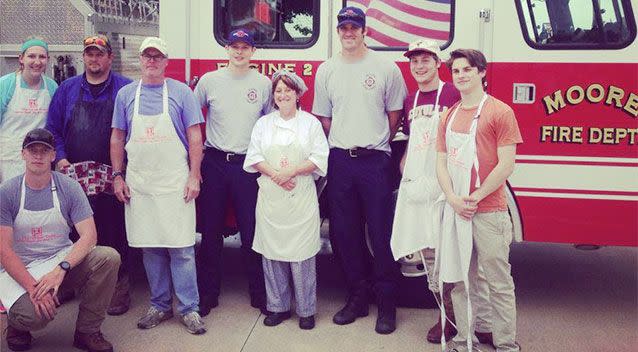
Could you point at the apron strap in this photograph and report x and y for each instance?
(436, 102)
(136, 100)
(473, 131)
(54, 193)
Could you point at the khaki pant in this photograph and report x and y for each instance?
(95, 277)
(492, 234)
(481, 308)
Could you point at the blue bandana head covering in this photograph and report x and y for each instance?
(34, 42)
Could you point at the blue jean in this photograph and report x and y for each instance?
(172, 267)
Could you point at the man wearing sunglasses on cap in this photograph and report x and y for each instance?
(80, 117)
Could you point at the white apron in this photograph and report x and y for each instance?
(26, 110)
(455, 250)
(415, 217)
(48, 223)
(157, 171)
(287, 222)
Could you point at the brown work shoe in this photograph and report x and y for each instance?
(434, 334)
(18, 340)
(485, 338)
(121, 299)
(92, 342)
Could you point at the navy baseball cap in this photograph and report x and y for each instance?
(352, 15)
(241, 35)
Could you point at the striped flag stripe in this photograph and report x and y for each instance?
(399, 22)
(406, 27)
(384, 39)
(442, 15)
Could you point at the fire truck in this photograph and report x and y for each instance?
(568, 68)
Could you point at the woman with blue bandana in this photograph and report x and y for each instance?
(24, 101)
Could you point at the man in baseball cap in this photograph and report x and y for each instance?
(241, 95)
(37, 211)
(79, 118)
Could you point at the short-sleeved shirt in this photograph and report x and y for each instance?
(73, 203)
(425, 104)
(182, 106)
(234, 103)
(497, 127)
(8, 86)
(357, 96)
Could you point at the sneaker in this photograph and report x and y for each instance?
(92, 342)
(18, 340)
(194, 323)
(307, 323)
(153, 317)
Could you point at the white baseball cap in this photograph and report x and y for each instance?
(155, 43)
(426, 45)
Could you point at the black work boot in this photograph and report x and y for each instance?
(356, 307)
(386, 317)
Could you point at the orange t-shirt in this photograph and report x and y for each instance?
(497, 127)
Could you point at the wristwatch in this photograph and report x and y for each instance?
(65, 266)
(117, 173)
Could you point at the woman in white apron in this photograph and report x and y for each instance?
(28, 106)
(288, 147)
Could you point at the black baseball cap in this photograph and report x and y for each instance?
(38, 136)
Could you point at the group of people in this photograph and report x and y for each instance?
(136, 161)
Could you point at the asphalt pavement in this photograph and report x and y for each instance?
(567, 299)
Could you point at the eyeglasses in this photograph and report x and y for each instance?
(148, 57)
(96, 40)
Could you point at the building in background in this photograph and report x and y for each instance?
(63, 24)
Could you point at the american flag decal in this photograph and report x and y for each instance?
(400, 22)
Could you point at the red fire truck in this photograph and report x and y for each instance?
(568, 68)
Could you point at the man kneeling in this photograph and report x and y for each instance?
(38, 258)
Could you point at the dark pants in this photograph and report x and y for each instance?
(224, 180)
(109, 221)
(108, 213)
(360, 192)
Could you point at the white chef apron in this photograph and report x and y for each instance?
(456, 243)
(413, 228)
(26, 110)
(287, 222)
(157, 172)
(35, 226)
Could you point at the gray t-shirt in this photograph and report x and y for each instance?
(73, 204)
(357, 96)
(234, 104)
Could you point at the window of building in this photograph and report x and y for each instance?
(274, 23)
(392, 24)
(577, 24)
